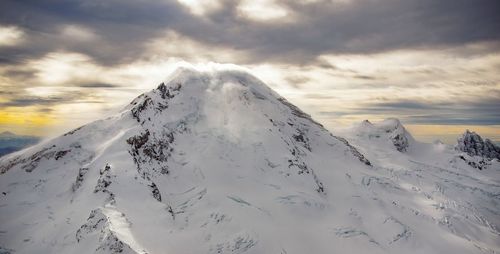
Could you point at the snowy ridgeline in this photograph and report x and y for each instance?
(216, 162)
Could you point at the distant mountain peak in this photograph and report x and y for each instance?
(7, 134)
(473, 144)
(391, 128)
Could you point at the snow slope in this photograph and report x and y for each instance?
(214, 161)
(455, 189)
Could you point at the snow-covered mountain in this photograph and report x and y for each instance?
(389, 133)
(216, 162)
(472, 144)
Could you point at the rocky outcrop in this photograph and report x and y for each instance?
(472, 144)
(398, 134)
(99, 225)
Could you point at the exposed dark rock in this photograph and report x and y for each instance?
(472, 144)
(400, 141)
(79, 178)
(113, 245)
(140, 107)
(104, 182)
(302, 138)
(398, 134)
(171, 211)
(29, 163)
(95, 222)
(164, 170)
(168, 92)
(479, 164)
(149, 153)
(138, 141)
(155, 191)
(73, 131)
(61, 154)
(98, 225)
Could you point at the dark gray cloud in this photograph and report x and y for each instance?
(22, 99)
(317, 96)
(45, 110)
(123, 26)
(121, 29)
(24, 102)
(366, 77)
(297, 81)
(404, 105)
(97, 85)
(443, 119)
(483, 111)
(19, 74)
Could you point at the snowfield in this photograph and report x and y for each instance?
(214, 161)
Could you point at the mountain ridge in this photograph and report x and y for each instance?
(218, 159)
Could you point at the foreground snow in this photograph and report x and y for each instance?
(216, 162)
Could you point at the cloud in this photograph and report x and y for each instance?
(262, 10)
(342, 60)
(10, 35)
(25, 102)
(316, 96)
(120, 30)
(325, 27)
(78, 33)
(200, 7)
(465, 111)
(97, 85)
(297, 81)
(402, 105)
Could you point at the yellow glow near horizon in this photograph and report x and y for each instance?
(25, 117)
(26, 121)
(430, 130)
(449, 133)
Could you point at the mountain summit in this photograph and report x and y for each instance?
(216, 162)
(387, 131)
(474, 145)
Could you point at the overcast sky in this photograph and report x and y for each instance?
(435, 64)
